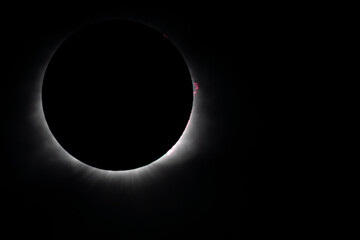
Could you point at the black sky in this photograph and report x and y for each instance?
(224, 190)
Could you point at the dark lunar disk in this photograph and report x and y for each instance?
(117, 95)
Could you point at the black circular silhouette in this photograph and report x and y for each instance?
(117, 95)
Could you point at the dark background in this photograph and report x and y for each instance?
(228, 191)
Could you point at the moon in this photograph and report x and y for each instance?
(117, 95)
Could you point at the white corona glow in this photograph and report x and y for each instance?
(182, 150)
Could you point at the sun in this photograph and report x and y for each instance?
(179, 152)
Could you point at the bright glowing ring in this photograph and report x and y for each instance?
(181, 150)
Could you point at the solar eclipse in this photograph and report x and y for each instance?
(117, 95)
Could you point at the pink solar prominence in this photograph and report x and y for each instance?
(196, 86)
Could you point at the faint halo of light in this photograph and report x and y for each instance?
(180, 150)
